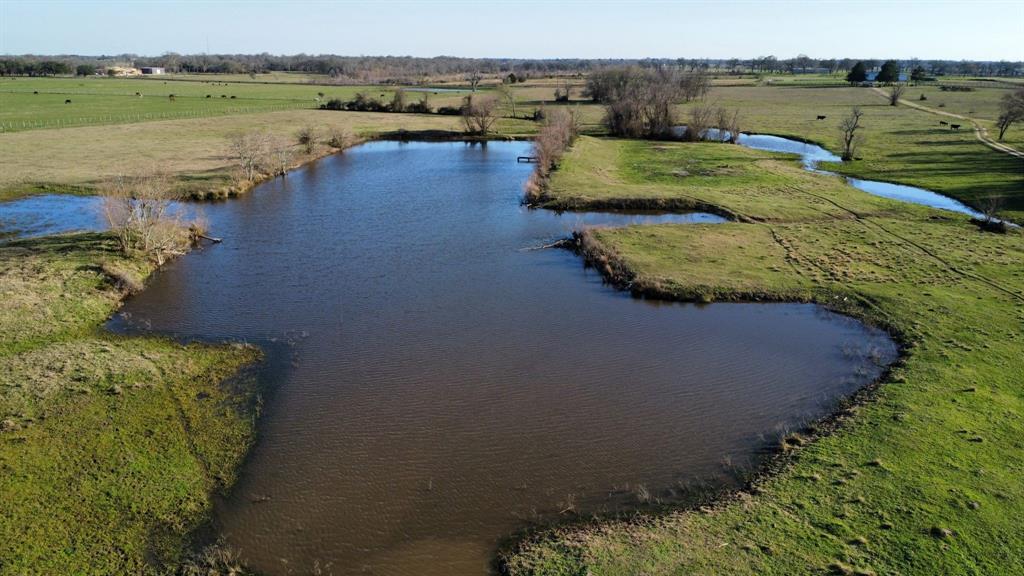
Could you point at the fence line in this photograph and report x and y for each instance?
(107, 119)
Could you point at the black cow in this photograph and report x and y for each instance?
(943, 123)
(821, 117)
(954, 126)
(67, 101)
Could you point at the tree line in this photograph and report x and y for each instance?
(384, 69)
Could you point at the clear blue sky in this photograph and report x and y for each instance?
(978, 30)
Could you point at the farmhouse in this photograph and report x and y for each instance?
(151, 70)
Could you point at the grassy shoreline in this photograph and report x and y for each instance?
(922, 479)
(111, 446)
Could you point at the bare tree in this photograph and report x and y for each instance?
(479, 114)
(250, 150)
(700, 119)
(728, 125)
(895, 92)
(849, 128)
(990, 207)
(1011, 109)
(509, 96)
(474, 79)
(560, 128)
(279, 155)
(139, 208)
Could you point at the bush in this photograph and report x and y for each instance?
(553, 139)
(333, 104)
(307, 137)
(339, 138)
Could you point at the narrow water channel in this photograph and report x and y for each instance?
(442, 388)
(812, 154)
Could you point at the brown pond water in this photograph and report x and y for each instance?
(441, 388)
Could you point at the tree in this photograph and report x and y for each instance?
(990, 207)
(479, 114)
(474, 79)
(85, 70)
(509, 96)
(250, 150)
(858, 73)
(895, 91)
(849, 128)
(139, 209)
(1011, 109)
(918, 74)
(890, 72)
(398, 101)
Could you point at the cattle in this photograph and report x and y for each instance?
(68, 101)
(943, 123)
(821, 117)
(35, 91)
(171, 97)
(139, 94)
(954, 126)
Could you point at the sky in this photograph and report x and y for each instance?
(972, 30)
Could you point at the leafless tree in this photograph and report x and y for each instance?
(990, 207)
(849, 128)
(279, 155)
(509, 96)
(139, 208)
(479, 114)
(560, 128)
(641, 102)
(895, 92)
(701, 118)
(249, 150)
(733, 126)
(1011, 109)
(474, 79)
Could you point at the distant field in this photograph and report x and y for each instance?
(114, 100)
(900, 144)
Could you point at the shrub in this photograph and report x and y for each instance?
(307, 138)
(339, 138)
(553, 139)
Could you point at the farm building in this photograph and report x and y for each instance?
(151, 70)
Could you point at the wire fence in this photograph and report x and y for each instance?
(131, 118)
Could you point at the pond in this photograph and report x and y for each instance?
(434, 387)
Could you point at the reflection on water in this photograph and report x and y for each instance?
(444, 388)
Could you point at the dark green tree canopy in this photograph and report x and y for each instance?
(890, 72)
(858, 73)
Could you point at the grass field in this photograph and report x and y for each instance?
(109, 446)
(34, 103)
(901, 144)
(925, 478)
(196, 151)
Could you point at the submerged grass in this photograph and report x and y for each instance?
(923, 479)
(110, 446)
